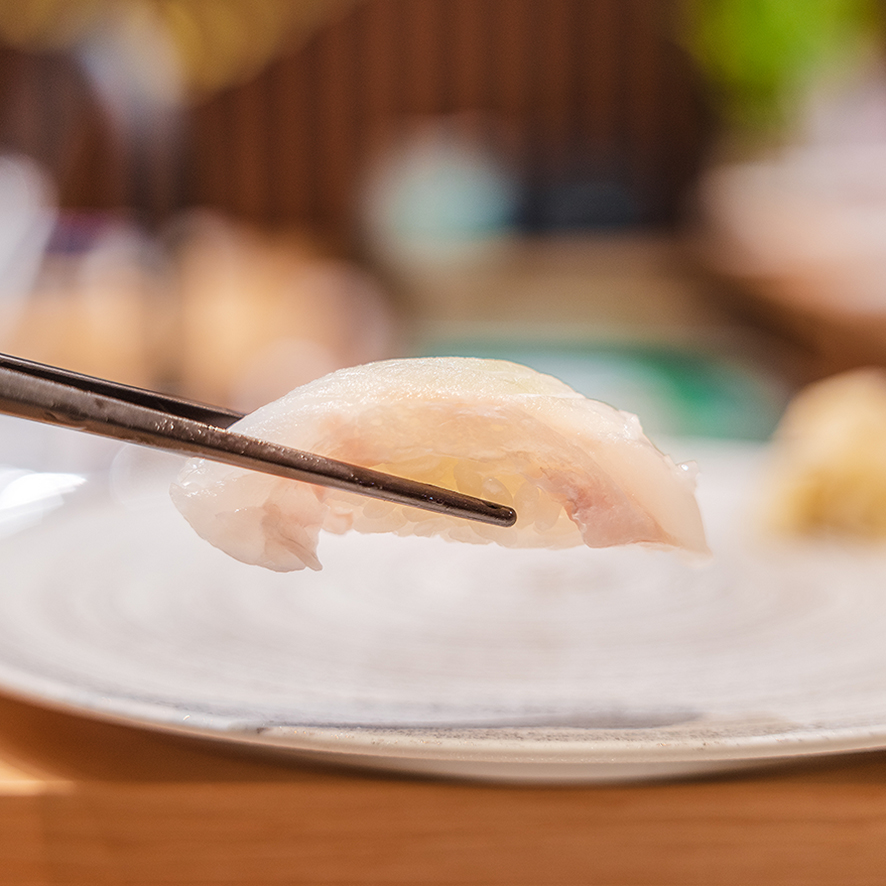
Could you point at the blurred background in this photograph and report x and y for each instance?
(678, 206)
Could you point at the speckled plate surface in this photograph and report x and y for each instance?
(428, 657)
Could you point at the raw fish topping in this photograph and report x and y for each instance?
(577, 471)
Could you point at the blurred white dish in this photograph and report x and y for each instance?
(807, 227)
(425, 656)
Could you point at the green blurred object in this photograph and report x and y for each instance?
(760, 55)
(675, 392)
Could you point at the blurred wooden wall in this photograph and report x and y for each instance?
(569, 89)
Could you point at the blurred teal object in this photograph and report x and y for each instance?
(675, 392)
(437, 194)
(450, 193)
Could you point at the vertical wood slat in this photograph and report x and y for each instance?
(643, 101)
(423, 25)
(589, 82)
(594, 114)
(291, 103)
(338, 89)
(470, 31)
(249, 127)
(207, 165)
(558, 57)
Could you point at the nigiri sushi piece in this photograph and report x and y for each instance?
(576, 471)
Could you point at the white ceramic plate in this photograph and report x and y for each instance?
(423, 656)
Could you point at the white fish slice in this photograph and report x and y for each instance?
(577, 471)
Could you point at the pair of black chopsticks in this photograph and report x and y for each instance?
(98, 406)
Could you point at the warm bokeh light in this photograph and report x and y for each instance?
(214, 42)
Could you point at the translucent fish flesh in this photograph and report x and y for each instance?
(577, 471)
